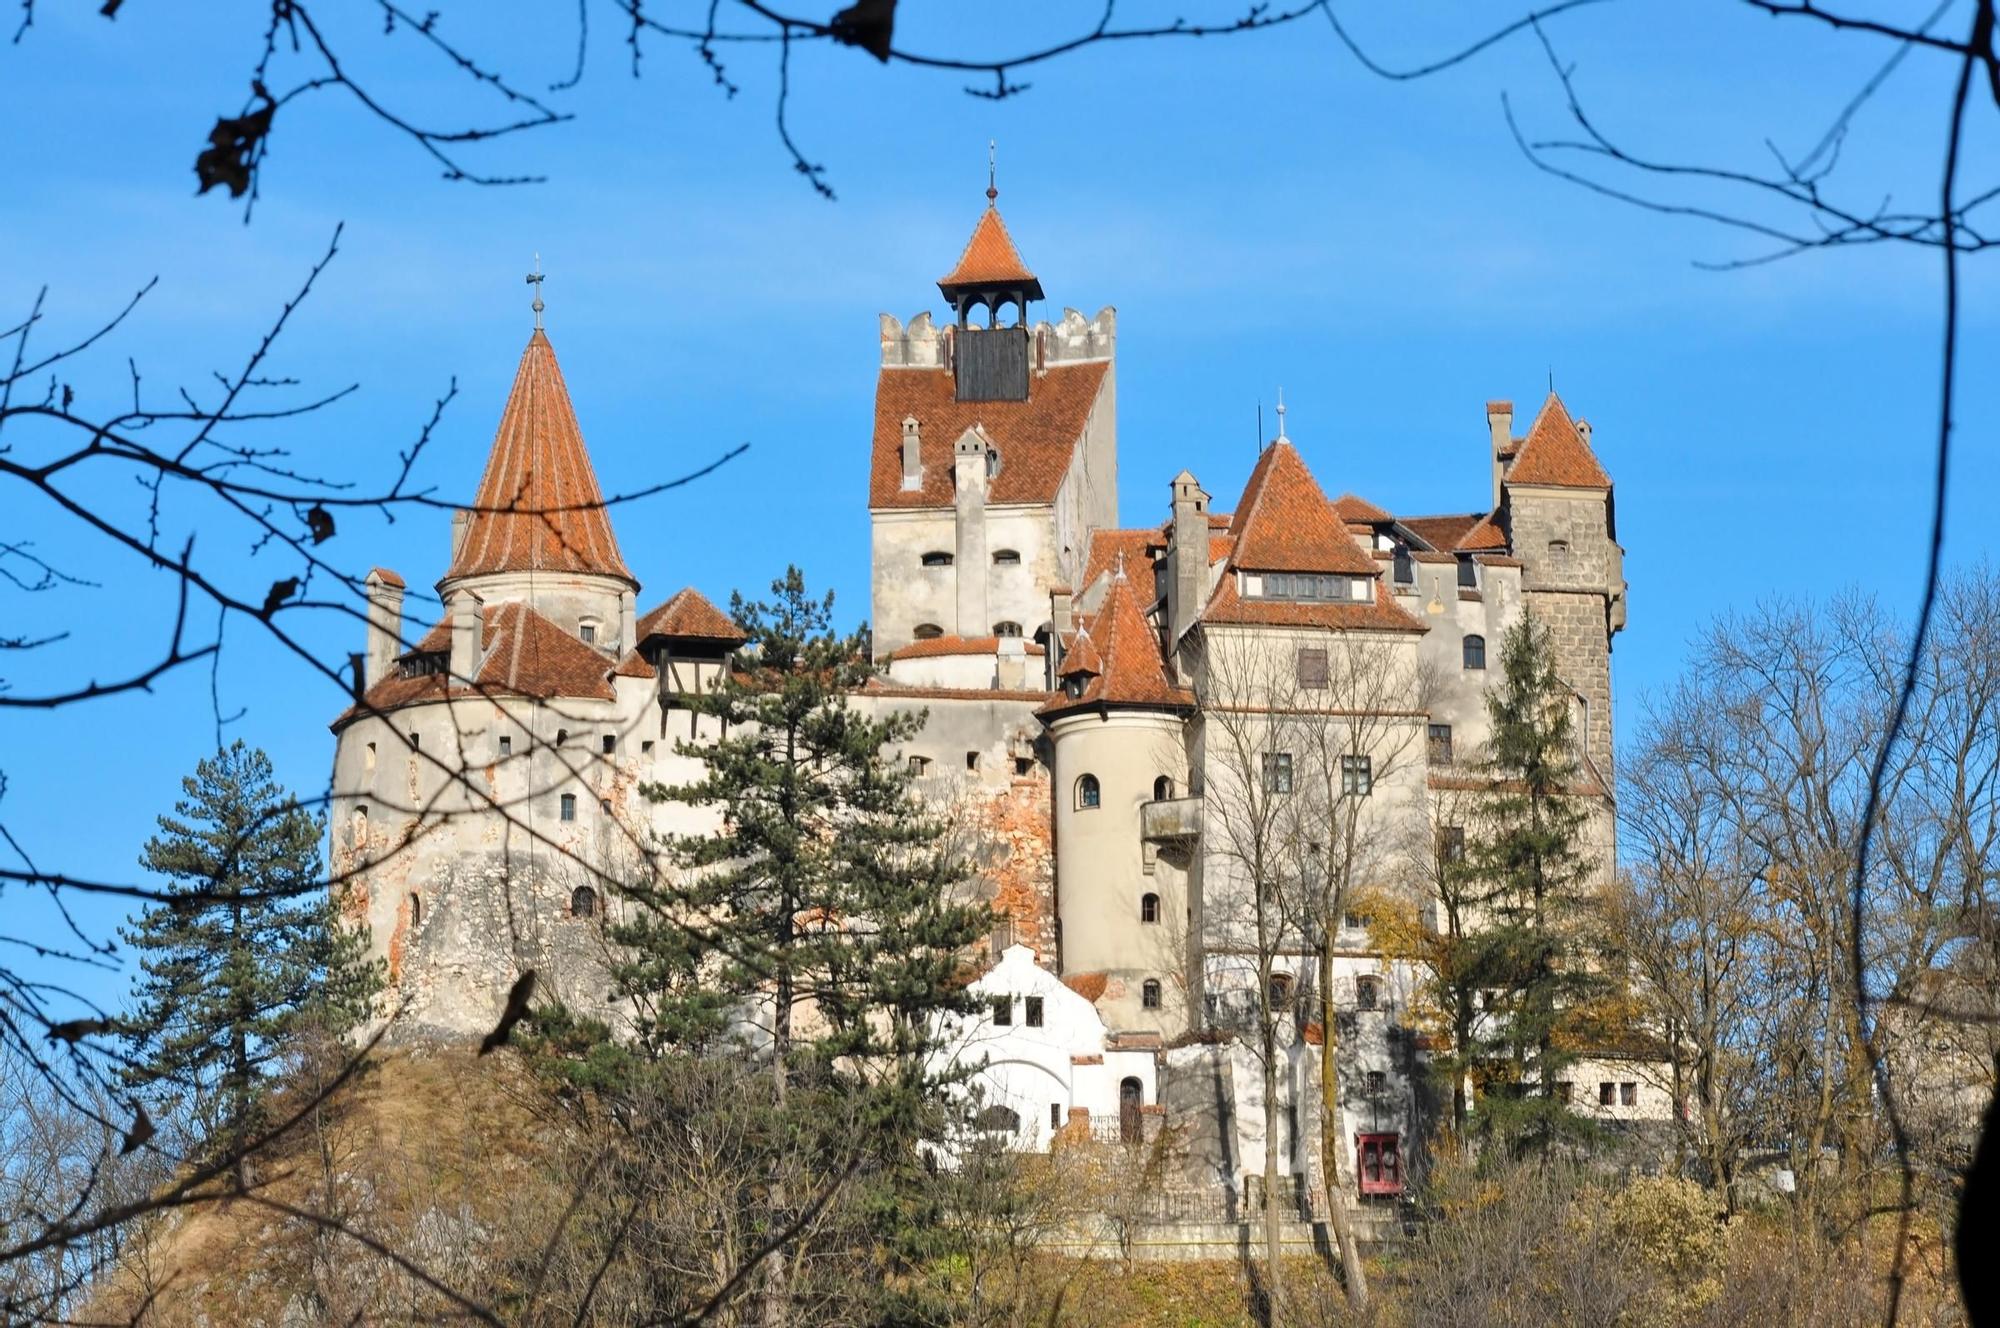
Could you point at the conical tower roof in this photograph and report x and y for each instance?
(538, 508)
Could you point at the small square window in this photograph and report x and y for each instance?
(972, 760)
(1023, 765)
(588, 632)
(1607, 1095)
(645, 745)
(1628, 1095)
(506, 745)
(1033, 1011)
(1377, 1083)
(610, 743)
(1003, 1012)
(917, 764)
(604, 805)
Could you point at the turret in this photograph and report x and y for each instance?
(1187, 558)
(385, 624)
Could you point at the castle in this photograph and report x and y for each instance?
(1131, 721)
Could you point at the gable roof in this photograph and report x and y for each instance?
(1128, 669)
(990, 259)
(538, 508)
(1036, 439)
(1285, 524)
(1555, 454)
(1359, 511)
(688, 616)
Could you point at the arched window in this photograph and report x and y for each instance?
(999, 1119)
(1163, 788)
(1005, 628)
(1006, 558)
(368, 760)
(416, 910)
(1088, 795)
(937, 558)
(583, 902)
(1475, 652)
(1131, 1094)
(1558, 550)
(928, 631)
(1149, 908)
(1149, 993)
(360, 824)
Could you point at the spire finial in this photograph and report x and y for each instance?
(1119, 575)
(1281, 417)
(535, 279)
(992, 186)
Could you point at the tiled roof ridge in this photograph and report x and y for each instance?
(538, 507)
(690, 614)
(960, 645)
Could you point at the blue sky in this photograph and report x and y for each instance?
(1261, 211)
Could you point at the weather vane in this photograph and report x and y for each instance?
(1281, 416)
(992, 188)
(535, 279)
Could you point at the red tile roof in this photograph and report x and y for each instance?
(688, 616)
(385, 576)
(1138, 547)
(1285, 523)
(990, 259)
(1442, 532)
(1555, 453)
(1036, 438)
(1487, 536)
(1359, 511)
(1132, 671)
(521, 654)
(538, 508)
(939, 646)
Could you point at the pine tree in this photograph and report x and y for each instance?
(823, 910)
(1532, 869)
(248, 946)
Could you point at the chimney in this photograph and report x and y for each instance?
(970, 461)
(468, 621)
(913, 465)
(1500, 422)
(1060, 625)
(1187, 558)
(385, 623)
(460, 520)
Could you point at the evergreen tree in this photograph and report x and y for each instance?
(248, 946)
(1532, 870)
(818, 926)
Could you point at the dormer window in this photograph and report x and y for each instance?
(1308, 586)
(1405, 567)
(1468, 574)
(928, 631)
(587, 632)
(1006, 557)
(937, 558)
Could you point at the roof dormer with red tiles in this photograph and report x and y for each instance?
(963, 542)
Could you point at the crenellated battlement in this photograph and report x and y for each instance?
(923, 344)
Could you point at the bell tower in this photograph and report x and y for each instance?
(990, 362)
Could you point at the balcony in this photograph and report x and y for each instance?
(1170, 818)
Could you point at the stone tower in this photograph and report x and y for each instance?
(1556, 505)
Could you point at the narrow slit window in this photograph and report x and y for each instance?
(568, 806)
(1149, 908)
(1003, 1012)
(506, 745)
(1032, 1011)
